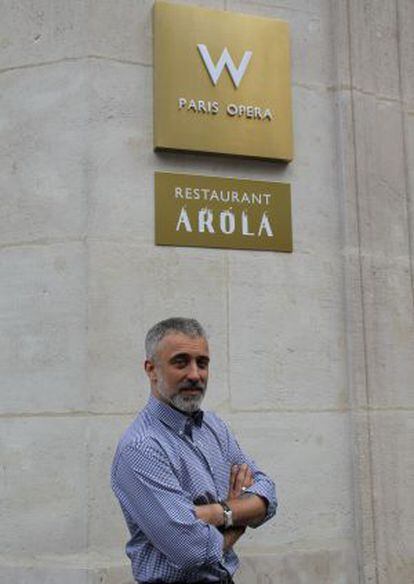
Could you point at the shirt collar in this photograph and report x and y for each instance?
(176, 420)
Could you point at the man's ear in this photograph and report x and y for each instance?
(150, 370)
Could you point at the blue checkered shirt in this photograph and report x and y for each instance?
(164, 465)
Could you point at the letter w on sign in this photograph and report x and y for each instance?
(225, 60)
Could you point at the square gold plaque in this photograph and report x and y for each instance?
(221, 83)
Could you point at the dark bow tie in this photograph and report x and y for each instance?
(195, 419)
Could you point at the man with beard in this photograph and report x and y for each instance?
(185, 487)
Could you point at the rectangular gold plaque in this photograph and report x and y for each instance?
(221, 82)
(211, 211)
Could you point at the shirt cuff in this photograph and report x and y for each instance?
(268, 493)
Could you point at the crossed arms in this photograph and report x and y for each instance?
(248, 509)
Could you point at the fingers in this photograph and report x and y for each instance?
(233, 475)
(248, 480)
(240, 479)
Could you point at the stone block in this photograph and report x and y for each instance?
(382, 198)
(308, 457)
(43, 153)
(43, 320)
(287, 338)
(389, 331)
(374, 47)
(310, 36)
(44, 486)
(121, 177)
(392, 435)
(131, 288)
(316, 207)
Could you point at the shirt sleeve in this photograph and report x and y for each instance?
(262, 486)
(151, 495)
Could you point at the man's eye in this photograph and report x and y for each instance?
(202, 364)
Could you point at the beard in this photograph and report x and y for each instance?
(181, 401)
(187, 403)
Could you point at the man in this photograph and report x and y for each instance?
(185, 487)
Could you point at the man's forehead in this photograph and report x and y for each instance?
(177, 342)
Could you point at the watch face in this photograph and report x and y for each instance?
(228, 517)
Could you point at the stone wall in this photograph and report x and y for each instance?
(313, 353)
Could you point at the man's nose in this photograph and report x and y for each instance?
(193, 372)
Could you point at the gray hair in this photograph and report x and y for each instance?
(177, 324)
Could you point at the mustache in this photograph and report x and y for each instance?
(192, 385)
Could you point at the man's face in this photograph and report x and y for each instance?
(179, 372)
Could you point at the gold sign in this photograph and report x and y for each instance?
(221, 82)
(211, 211)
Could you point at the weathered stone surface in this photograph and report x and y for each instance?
(42, 152)
(121, 177)
(316, 209)
(41, 31)
(374, 47)
(43, 337)
(382, 202)
(389, 332)
(44, 486)
(300, 295)
(393, 466)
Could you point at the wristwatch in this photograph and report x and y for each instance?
(227, 515)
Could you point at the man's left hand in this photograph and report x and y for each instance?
(240, 478)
